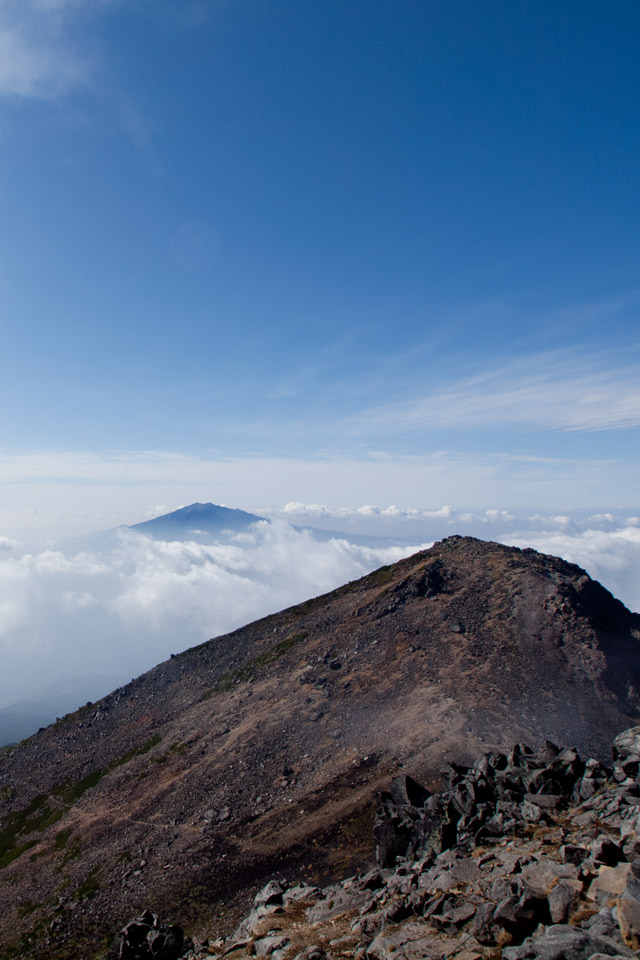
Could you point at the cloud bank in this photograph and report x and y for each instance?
(295, 510)
(117, 609)
(606, 544)
(121, 610)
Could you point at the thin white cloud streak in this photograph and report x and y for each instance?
(545, 391)
(297, 511)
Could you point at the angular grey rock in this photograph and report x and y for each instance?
(484, 928)
(605, 924)
(270, 895)
(521, 915)
(604, 850)
(629, 908)
(311, 952)
(236, 945)
(571, 853)
(337, 899)
(406, 791)
(563, 942)
(300, 893)
(563, 900)
(626, 745)
(265, 946)
(412, 941)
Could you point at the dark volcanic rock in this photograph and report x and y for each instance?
(146, 937)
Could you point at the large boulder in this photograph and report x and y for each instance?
(147, 938)
(627, 745)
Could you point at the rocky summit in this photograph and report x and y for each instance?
(529, 855)
(261, 754)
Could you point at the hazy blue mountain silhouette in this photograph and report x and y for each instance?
(198, 521)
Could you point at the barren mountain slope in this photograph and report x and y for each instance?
(260, 752)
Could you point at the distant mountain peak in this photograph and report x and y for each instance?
(196, 520)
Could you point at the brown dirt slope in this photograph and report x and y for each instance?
(261, 751)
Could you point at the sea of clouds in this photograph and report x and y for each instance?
(120, 609)
(115, 609)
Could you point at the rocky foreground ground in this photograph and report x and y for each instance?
(526, 855)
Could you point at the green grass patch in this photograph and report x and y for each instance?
(37, 856)
(10, 855)
(381, 576)
(275, 652)
(40, 813)
(26, 908)
(223, 685)
(30, 938)
(73, 853)
(7, 793)
(62, 837)
(68, 793)
(248, 671)
(136, 751)
(90, 887)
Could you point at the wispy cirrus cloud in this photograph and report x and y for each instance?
(553, 391)
(39, 55)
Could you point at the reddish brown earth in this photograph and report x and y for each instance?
(260, 752)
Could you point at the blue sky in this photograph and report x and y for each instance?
(336, 251)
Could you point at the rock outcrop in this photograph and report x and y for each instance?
(147, 937)
(529, 855)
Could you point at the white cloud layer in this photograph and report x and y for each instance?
(120, 611)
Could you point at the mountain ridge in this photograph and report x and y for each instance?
(264, 748)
